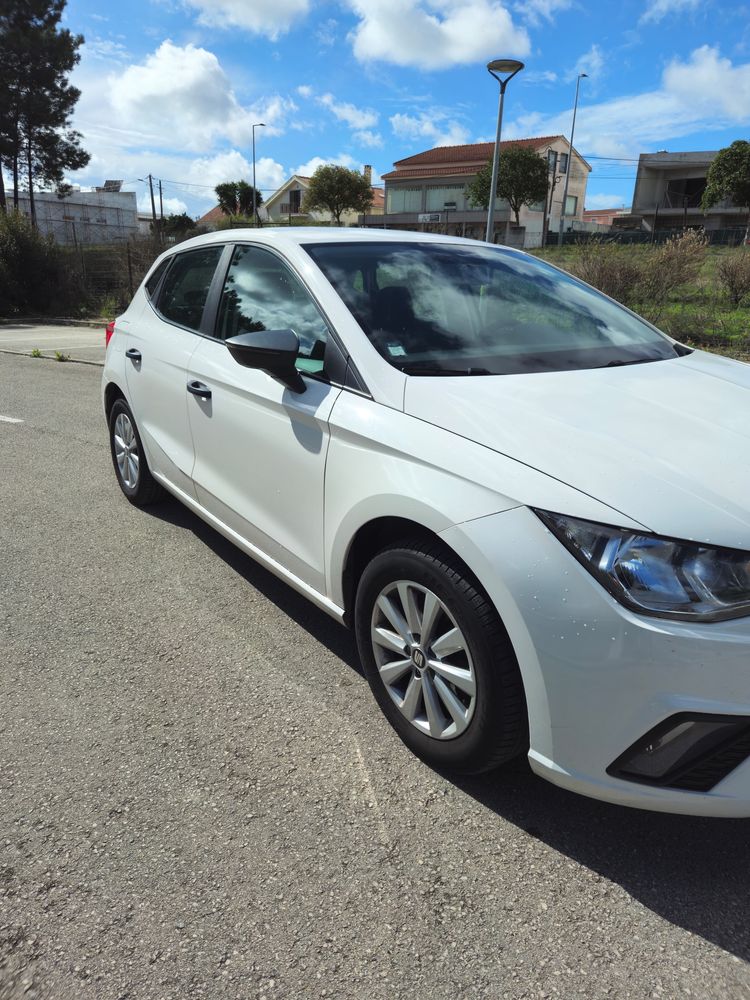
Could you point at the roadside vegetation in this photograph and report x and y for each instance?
(698, 294)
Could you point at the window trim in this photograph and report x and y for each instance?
(154, 303)
(350, 366)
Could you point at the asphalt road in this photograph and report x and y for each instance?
(199, 798)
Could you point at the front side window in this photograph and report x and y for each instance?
(185, 288)
(433, 309)
(261, 293)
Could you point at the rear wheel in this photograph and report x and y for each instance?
(128, 458)
(438, 659)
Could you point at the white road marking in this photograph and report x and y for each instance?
(11, 420)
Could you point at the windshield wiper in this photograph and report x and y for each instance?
(620, 362)
(419, 369)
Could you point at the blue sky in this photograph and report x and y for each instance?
(172, 87)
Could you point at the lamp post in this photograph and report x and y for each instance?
(570, 162)
(255, 208)
(511, 67)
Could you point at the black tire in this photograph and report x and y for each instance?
(145, 490)
(498, 729)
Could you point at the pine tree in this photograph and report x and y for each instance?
(36, 100)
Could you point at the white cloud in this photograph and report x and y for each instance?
(106, 48)
(354, 117)
(366, 137)
(233, 166)
(172, 206)
(181, 95)
(262, 17)
(342, 160)
(539, 76)
(706, 92)
(535, 11)
(435, 34)
(305, 91)
(604, 201)
(326, 33)
(591, 63)
(434, 128)
(656, 10)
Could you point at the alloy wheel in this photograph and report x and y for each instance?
(423, 659)
(126, 450)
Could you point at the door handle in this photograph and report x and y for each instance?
(199, 389)
(133, 354)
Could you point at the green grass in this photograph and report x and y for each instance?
(699, 314)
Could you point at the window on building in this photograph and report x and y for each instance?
(405, 199)
(261, 293)
(437, 197)
(552, 161)
(562, 163)
(571, 204)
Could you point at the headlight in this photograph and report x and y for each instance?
(658, 576)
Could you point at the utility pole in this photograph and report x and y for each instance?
(564, 206)
(153, 204)
(161, 204)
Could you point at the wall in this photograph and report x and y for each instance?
(85, 217)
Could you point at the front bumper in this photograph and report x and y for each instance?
(597, 676)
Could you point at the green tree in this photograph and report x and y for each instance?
(36, 100)
(236, 197)
(729, 177)
(336, 190)
(178, 225)
(522, 180)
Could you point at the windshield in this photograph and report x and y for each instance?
(449, 309)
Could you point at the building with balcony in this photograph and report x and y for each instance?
(668, 192)
(430, 190)
(285, 205)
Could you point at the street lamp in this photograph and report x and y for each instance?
(511, 67)
(255, 209)
(570, 162)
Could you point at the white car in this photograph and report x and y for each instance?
(531, 505)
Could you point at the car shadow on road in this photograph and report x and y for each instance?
(693, 872)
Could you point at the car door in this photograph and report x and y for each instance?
(260, 448)
(158, 348)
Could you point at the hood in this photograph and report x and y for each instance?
(666, 443)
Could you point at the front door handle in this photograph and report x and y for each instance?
(199, 389)
(133, 354)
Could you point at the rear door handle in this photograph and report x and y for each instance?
(199, 389)
(133, 354)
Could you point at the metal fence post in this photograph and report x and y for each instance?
(130, 271)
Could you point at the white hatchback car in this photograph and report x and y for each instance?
(532, 506)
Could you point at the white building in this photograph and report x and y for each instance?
(85, 217)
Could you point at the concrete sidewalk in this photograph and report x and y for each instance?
(80, 343)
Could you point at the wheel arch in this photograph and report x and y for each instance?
(112, 392)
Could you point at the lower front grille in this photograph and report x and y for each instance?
(689, 751)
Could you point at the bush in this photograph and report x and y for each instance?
(35, 275)
(734, 276)
(669, 266)
(614, 270)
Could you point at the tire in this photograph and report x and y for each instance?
(129, 458)
(479, 720)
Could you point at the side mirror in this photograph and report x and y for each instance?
(272, 351)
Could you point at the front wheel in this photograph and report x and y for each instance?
(438, 659)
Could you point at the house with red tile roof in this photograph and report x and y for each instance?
(285, 205)
(429, 190)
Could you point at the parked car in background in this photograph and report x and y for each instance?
(530, 504)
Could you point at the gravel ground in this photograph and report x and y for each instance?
(199, 798)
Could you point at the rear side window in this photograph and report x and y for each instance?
(185, 288)
(153, 282)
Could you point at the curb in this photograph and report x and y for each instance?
(53, 321)
(46, 357)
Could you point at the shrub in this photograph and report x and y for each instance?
(35, 275)
(613, 269)
(733, 273)
(667, 267)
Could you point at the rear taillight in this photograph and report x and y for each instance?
(108, 331)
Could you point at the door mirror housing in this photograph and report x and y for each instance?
(272, 351)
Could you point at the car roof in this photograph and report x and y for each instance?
(286, 236)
